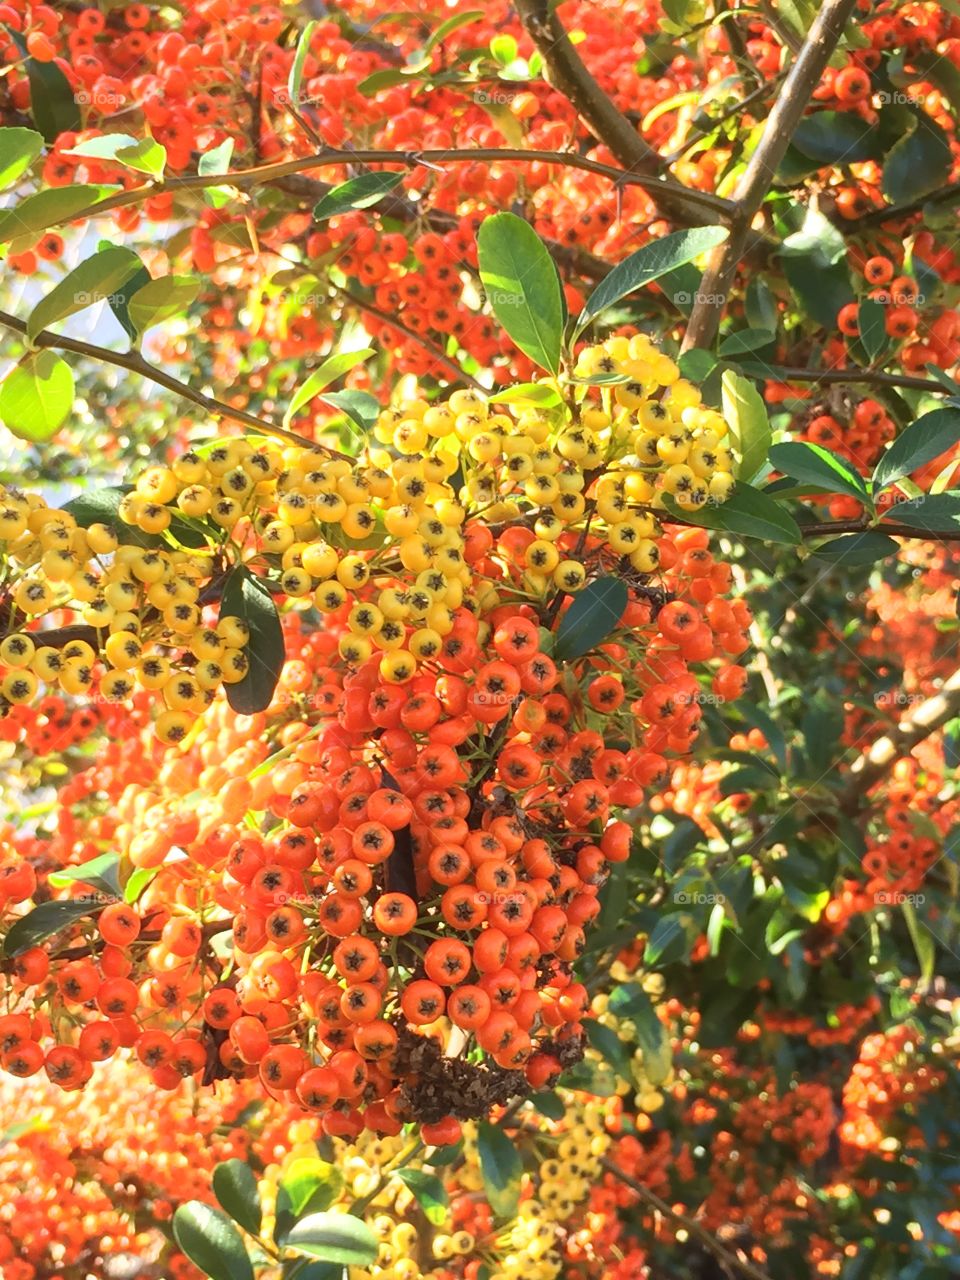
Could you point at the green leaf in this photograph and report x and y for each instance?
(930, 513)
(140, 877)
(522, 287)
(211, 1242)
(501, 1168)
(855, 549)
(746, 416)
(923, 943)
(246, 597)
(814, 262)
(873, 333)
(922, 441)
(36, 396)
(91, 281)
(334, 1237)
(33, 215)
(610, 1047)
(52, 104)
(742, 340)
(540, 394)
(650, 262)
(836, 137)
(161, 299)
(747, 512)
(594, 613)
(451, 25)
(653, 1038)
(120, 301)
(216, 160)
(44, 921)
(299, 61)
(761, 306)
(142, 154)
(825, 471)
(18, 150)
(308, 1185)
(919, 162)
(361, 192)
(549, 1104)
(429, 1192)
(670, 940)
(503, 49)
(696, 365)
(102, 872)
(331, 369)
(236, 1188)
(359, 406)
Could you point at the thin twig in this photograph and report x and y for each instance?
(759, 174)
(693, 1228)
(133, 362)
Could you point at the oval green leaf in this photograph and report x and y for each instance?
(361, 192)
(36, 396)
(747, 512)
(246, 597)
(653, 260)
(334, 1237)
(18, 150)
(211, 1242)
(101, 872)
(855, 549)
(44, 921)
(236, 1188)
(522, 287)
(331, 369)
(160, 300)
(922, 441)
(823, 470)
(834, 137)
(919, 162)
(429, 1192)
(746, 416)
(594, 613)
(930, 513)
(91, 281)
(501, 1168)
(33, 215)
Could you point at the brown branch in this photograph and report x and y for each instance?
(133, 362)
(877, 217)
(335, 158)
(925, 719)
(693, 1228)
(874, 377)
(758, 177)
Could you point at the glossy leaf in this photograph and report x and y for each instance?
(235, 1187)
(32, 216)
(44, 921)
(211, 1242)
(429, 1193)
(836, 137)
(361, 192)
(653, 1038)
(594, 613)
(92, 280)
(930, 513)
(648, 264)
(919, 162)
(101, 872)
(743, 340)
(295, 78)
(331, 369)
(36, 396)
(308, 1185)
(142, 154)
(541, 394)
(501, 1168)
(334, 1237)
(873, 334)
(855, 549)
(610, 1047)
(360, 407)
(919, 443)
(747, 512)
(161, 300)
(18, 150)
(746, 416)
(814, 465)
(522, 287)
(246, 597)
(52, 104)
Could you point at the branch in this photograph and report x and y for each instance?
(693, 1228)
(872, 377)
(135, 363)
(759, 174)
(877, 217)
(335, 158)
(920, 723)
